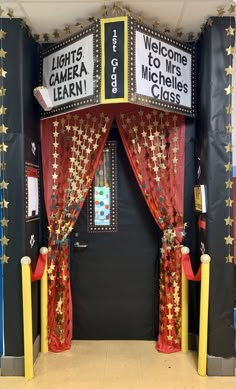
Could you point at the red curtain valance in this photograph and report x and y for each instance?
(71, 148)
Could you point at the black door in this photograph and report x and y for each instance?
(115, 278)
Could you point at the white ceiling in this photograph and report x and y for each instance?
(67, 16)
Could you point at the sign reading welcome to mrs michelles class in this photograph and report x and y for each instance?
(162, 70)
(71, 71)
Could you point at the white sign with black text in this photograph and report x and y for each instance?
(163, 71)
(68, 73)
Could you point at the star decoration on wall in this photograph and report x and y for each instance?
(229, 70)
(2, 34)
(229, 89)
(230, 50)
(229, 259)
(2, 53)
(229, 202)
(229, 184)
(230, 31)
(229, 221)
(229, 240)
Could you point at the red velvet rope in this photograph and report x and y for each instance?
(188, 269)
(38, 273)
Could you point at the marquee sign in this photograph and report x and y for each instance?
(71, 71)
(119, 60)
(162, 70)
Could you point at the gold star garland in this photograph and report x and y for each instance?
(3, 149)
(112, 10)
(228, 240)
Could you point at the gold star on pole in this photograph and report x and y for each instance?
(4, 222)
(229, 239)
(229, 109)
(2, 34)
(229, 128)
(4, 184)
(230, 30)
(229, 202)
(229, 148)
(3, 73)
(229, 89)
(229, 259)
(228, 221)
(229, 71)
(2, 53)
(229, 184)
(228, 167)
(230, 50)
(4, 258)
(4, 240)
(3, 129)
(3, 110)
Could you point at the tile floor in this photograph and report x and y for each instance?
(116, 365)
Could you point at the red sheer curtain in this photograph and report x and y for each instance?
(154, 142)
(71, 147)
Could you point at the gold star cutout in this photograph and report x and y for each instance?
(4, 184)
(229, 184)
(2, 53)
(10, 13)
(4, 258)
(229, 89)
(4, 240)
(2, 34)
(3, 147)
(229, 71)
(229, 239)
(229, 109)
(221, 11)
(230, 31)
(1, 11)
(3, 110)
(229, 128)
(4, 222)
(228, 167)
(56, 123)
(2, 91)
(228, 221)
(229, 202)
(3, 129)
(2, 72)
(229, 259)
(230, 50)
(4, 203)
(231, 9)
(229, 148)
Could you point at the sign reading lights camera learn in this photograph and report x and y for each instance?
(164, 71)
(69, 71)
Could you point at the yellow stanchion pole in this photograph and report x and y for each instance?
(27, 317)
(44, 305)
(184, 307)
(204, 304)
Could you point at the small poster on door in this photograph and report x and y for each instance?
(32, 192)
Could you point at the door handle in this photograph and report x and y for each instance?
(77, 245)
